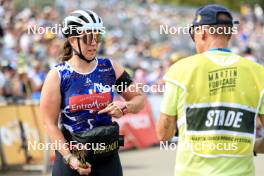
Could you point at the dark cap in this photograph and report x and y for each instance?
(208, 15)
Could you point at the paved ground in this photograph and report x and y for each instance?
(151, 162)
(154, 162)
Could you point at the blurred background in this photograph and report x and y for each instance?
(132, 38)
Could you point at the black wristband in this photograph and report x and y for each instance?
(123, 82)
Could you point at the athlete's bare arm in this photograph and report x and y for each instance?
(133, 96)
(259, 144)
(50, 108)
(166, 127)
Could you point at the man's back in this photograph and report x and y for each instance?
(218, 103)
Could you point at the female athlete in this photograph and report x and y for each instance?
(77, 100)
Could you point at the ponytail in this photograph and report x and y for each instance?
(67, 51)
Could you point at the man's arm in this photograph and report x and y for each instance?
(166, 127)
(259, 144)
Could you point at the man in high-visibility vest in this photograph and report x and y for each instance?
(214, 97)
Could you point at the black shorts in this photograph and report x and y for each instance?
(110, 166)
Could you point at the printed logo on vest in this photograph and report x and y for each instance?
(222, 80)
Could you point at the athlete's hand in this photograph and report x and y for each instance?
(79, 167)
(84, 171)
(114, 109)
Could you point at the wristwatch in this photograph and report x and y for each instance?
(124, 109)
(122, 106)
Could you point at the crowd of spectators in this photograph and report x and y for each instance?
(133, 38)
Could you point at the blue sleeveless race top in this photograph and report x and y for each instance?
(84, 94)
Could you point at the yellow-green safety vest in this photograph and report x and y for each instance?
(222, 97)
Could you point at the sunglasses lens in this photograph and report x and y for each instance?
(85, 39)
(98, 37)
(88, 38)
